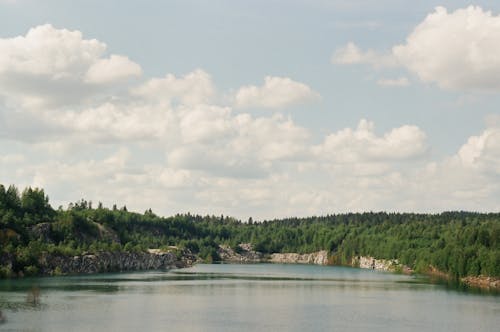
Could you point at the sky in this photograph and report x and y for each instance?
(263, 109)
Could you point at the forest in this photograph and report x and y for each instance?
(456, 243)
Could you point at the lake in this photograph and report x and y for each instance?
(253, 297)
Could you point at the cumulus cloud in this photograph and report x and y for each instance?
(115, 68)
(269, 167)
(277, 92)
(222, 144)
(362, 144)
(50, 66)
(482, 151)
(191, 89)
(115, 122)
(455, 50)
(173, 141)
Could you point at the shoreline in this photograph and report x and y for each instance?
(246, 254)
(105, 262)
(482, 282)
(155, 259)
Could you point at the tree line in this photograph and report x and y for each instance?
(457, 243)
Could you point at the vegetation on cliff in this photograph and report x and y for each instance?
(458, 243)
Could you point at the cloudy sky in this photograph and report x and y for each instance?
(253, 108)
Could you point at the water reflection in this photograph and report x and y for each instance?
(244, 297)
(33, 297)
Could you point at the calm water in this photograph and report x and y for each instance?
(260, 297)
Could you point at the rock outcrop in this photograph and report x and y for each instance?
(482, 282)
(367, 262)
(319, 258)
(244, 253)
(111, 262)
(42, 232)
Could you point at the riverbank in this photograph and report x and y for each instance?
(244, 253)
(105, 261)
(484, 282)
(390, 265)
(156, 259)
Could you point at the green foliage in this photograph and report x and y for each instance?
(6, 272)
(57, 271)
(30, 270)
(458, 243)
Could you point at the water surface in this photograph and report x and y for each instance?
(254, 297)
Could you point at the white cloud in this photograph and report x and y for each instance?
(110, 122)
(456, 50)
(277, 92)
(396, 82)
(50, 66)
(158, 110)
(363, 145)
(236, 146)
(205, 123)
(173, 141)
(351, 54)
(482, 151)
(254, 170)
(191, 89)
(115, 68)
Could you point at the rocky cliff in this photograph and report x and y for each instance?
(112, 262)
(244, 253)
(367, 262)
(319, 258)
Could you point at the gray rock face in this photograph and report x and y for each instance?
(376, 264)
(112, 261)
(42, 232)
(319, 258)
(244, 254)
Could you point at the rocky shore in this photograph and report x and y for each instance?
(154, 259)
(112, 261)
(319, 258)
(244, 253)
(393, 265)
(390, 265)
(483, 282)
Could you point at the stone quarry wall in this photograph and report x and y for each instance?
(319, 258)
(110, 262)
(245, 254)
(367, 262)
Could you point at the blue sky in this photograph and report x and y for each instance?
(261, 108)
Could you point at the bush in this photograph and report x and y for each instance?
(30, 270)
(6, 272)
(57, 271)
